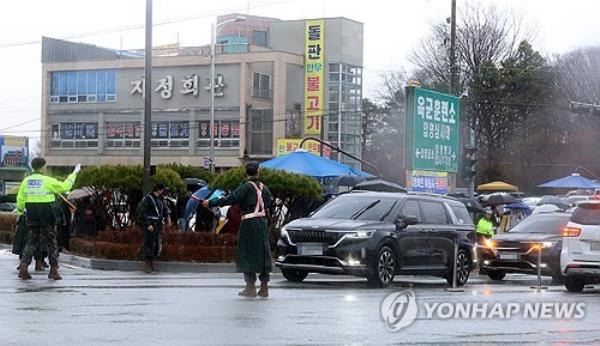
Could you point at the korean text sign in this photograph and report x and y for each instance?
(286, 146)
(435, 131)
(314, 57)
(430, 182)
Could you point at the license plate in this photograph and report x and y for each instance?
(509, 256)
(310, 249)
(595, 246)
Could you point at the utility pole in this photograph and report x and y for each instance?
(452, 87)
(147, 97)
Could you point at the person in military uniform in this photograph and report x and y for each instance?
(37, 196)
(152, 214)
(253, 251)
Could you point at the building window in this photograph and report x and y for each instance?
(74, 134)
(123, 134)
(261, 85)
(260, 132)
(259, 38)
(174, 134)
(344, 107)
(83, 86)
(227, 134)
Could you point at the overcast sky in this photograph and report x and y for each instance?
(392, 30)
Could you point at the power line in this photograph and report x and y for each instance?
(141, 26)
(20, 124)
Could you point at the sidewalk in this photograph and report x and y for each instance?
(167, 267)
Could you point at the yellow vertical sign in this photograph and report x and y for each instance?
(314, 83)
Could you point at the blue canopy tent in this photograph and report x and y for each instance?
(573, 181)
(304, 163)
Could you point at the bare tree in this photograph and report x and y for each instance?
(383, 126)
(36, 151)
(483, 34)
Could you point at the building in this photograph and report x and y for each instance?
(92, 103)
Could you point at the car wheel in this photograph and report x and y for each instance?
(463, 268)
(574, 284)
(294, 275)
(496, 275)
(382, 271)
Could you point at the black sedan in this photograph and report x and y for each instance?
(517, 250)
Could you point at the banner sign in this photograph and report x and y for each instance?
(314, 82)
(286, 146)
(436, 123)
(429, 182)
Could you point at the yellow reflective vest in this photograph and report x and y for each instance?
(485, 227)
(37, 196)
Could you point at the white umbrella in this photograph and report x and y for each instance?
(80, 193)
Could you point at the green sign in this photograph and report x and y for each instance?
(434, 120)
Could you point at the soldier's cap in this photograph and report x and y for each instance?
(252, 169)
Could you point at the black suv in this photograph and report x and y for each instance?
(379, 235)
(516, 251)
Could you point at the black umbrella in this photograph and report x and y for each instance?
(194, 182)
(499, 198)
(379, 185)
(347, 180)
(471, 203)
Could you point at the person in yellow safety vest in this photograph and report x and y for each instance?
(37, 196)
(485, 227)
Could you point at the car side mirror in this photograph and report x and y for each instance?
(405, 221)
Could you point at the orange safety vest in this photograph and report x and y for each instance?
(259, 211)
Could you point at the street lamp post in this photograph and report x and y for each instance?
(213, 52)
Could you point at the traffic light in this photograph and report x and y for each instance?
(469, 161)
(584, 108)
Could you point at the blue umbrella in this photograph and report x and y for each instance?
(520, 205)
(196, 197)
(573, 181)
(304, 163)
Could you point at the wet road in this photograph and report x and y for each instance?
(117, 308)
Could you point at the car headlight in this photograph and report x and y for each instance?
(363, 234)
(490, 244)
(547, 244)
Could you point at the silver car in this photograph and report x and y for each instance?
(580, 255)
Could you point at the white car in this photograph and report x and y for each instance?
(580, 254)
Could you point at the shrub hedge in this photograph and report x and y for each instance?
(177, 246)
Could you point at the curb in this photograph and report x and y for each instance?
(130, 266)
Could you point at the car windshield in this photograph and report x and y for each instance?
(586, 214)
(353, 207)
(552, 224)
